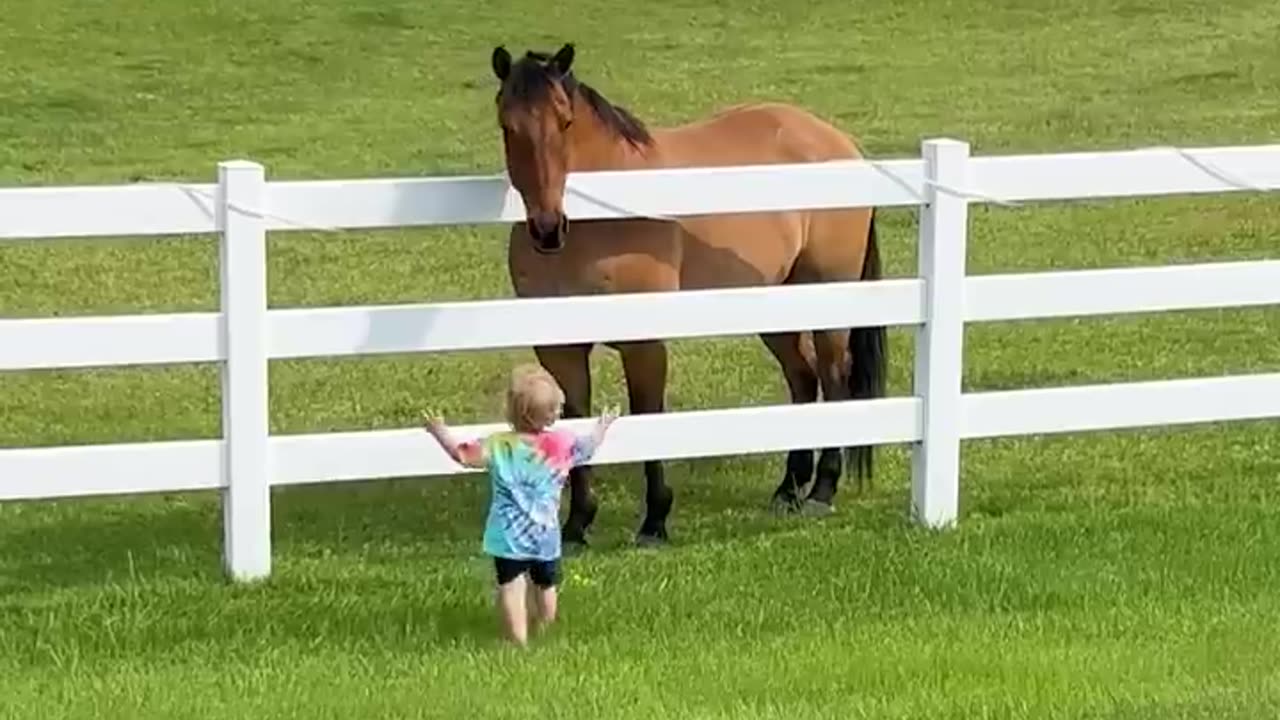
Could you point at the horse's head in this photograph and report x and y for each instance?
(535, 111)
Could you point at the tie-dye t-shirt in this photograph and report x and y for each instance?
(527, 473)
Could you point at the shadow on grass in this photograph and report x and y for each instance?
(390, 566)
(394, 567)
(92, 541)
(97, 542)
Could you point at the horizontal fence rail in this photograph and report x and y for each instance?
(244, 334)
(107, 341)
(455, 326)
(1080, 293)
(1124, 405)
(111, 469)
(181, 208)
(176, 466)
(330, 457)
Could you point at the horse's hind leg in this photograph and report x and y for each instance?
(797, 361)
(841, 246)
(570, 365)
(645, 367)
(833, 368)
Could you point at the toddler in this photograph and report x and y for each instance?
(528, 465)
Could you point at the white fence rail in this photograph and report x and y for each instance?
(246, 334)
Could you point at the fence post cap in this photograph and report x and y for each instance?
(944, 145)
(239, 165)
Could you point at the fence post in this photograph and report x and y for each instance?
(246, 499)
(939, 354)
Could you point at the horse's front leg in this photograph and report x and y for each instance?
(570, 366)
(645, 366)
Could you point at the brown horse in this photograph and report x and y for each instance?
(552, 125)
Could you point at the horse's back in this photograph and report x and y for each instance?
(770, 247)
(751, 134)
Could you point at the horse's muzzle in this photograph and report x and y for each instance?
(548, 230)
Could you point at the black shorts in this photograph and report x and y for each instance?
(543, 573)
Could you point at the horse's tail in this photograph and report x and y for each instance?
(868, 348)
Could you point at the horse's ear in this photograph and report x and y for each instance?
(563, 59)
(501, 62)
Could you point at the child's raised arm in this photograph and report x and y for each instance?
(467, 454)
(602, 426)
(586, 445)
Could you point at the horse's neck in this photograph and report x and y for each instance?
(598, 147)
(605, 152)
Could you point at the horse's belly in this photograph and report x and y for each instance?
(599, 258)
(740, 250)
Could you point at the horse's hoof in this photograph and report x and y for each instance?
(782, 505)
(817, 508)
(650, 540)
(574, 546)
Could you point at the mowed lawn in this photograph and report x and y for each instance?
(1111, 575)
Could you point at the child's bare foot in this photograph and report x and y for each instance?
(512, 608)
(543, 603)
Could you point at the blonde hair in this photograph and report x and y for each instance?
(534, 399)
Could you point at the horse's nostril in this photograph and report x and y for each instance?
(544, 224)
(550, 242)
(547, 231)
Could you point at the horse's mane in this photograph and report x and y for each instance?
(531, 80)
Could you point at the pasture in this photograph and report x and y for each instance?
(1125, 574)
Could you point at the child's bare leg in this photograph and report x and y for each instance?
(512, 608)
(545, 600)
(542, 592)
(531, 602)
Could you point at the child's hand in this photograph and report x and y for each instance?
(470, 454)
(608, 416)
(433, 421)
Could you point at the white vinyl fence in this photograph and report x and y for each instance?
(246, 334)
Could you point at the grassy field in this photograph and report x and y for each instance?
(1114, 575)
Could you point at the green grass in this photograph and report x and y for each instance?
(1109, 575)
